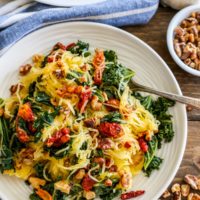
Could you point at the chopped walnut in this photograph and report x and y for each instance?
(36, 182)
(25, 69)
(59, 73)
(192, 181)
(185, 190)
(177, 196)
(14, 88)
(126, 179)
(63, 186)
(193, 196)
(89, 195)
(37, 58)
(80, 174)
(166, 194)
(176, 188)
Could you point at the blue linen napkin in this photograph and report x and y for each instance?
(113, 12)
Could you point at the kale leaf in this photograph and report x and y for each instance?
(107, 192)
(112, 117)
(39, 167)
(43, 98)
(79, 48)
(111, 92)
(6, 155)
(117, 75)
(32, 88)
(22, 124)
(45, 119)
(110, 56)
(154, 165)
(151, 162)
(34, 196)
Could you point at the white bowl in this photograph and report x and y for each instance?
(180, 16)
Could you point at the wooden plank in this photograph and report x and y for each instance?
(192, 154)
(154, 34)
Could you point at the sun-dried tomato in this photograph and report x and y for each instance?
(127, 145)
(26, 113)
(87, 183)
(143, 145)
(58, 138)
(84, 99)
(59, 45)
(70, 46)
(22, 135)
(99, 65)
(110, 129)
(31, 127)
(132, 194)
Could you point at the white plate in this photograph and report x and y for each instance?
(66, 3)
(150, 70)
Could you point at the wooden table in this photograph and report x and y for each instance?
(154, 34)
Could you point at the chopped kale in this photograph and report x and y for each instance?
(110, 56)
(32, 88)
(43, 98)
(39, 167)
(99, 94)
(49, 187)
(112, 117)
(74, 75)
(22, 124)
(34, 196)
(111, 92)
(6, 155)
(45, 119)
(79, 48)
(117, 75)
(75, 189)
(58, 195)
(151, 162)
(107, 192)
(37, 136)
(84, 146)
(59, 152)
(45, 61)
(154, 165)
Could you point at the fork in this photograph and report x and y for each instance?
(179, 98)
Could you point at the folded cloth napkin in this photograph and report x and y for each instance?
(31, 16)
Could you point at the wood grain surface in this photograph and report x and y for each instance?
(154, 34)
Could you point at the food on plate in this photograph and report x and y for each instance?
(187, 40)
(73, 129)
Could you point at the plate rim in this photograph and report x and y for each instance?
(68, 4)
(176, 85)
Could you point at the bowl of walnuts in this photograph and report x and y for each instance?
(183, 39)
